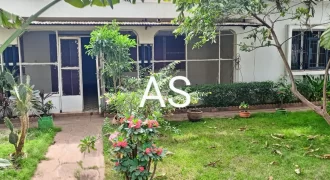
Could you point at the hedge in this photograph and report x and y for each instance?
(224, 95)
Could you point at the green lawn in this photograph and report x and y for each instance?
(244, 148)
(36, 146)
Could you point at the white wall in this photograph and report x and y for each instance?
(149, 9)
(5, 34)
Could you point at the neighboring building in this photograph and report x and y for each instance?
(52, 52)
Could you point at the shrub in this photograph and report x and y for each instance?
(134, 148)
(224, 95)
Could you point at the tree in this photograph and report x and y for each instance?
(114, 50)
(205, 15)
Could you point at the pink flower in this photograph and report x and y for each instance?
(117, 163)
(113, 136)
(148, 151)
(121, 120)
(138, 124)
(130, 118)
(141, 168)
(159, 151)
(152, 123)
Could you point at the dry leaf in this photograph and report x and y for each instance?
(212, 147)
(266, 144)
(298, 171)
(254, 142)
(311, 151)
(288, 146)
(310, 137)
(326, 156)
(169, 153)
(279, 135)
(277, 152)
(160, 176)
(242, 129)
(270, 178)
(212, 163)
(212, 127)
(273, 163)
(310, 146)
(277, 145)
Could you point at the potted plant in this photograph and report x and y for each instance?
(281, 94)
(195, 114)
(244, 113)
(45, 120)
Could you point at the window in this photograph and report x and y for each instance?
(306, 53)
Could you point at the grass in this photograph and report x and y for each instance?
(36, 146)
(244, 149)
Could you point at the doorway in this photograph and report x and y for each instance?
(89, 78)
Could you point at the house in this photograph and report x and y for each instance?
(52, 51)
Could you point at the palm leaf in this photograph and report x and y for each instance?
(9, 20)
(325, 39)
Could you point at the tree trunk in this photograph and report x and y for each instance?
(24, 126)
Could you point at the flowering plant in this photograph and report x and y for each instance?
(134, 148)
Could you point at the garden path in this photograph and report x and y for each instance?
(64, 159)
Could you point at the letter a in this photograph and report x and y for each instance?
(159, 97)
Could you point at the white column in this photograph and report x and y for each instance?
(219, 80)
(20, 59)
(59, 73)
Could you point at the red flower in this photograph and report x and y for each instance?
(148, 151)
(122, 144)
(159, 151)
(114, 144)
(141, 168)
(117, 163)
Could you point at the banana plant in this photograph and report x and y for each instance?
(23, 97)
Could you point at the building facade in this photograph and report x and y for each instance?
(52, 51)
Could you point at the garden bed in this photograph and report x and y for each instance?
(251, 107)
(264, 146)
(36, 146)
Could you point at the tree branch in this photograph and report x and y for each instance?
(154, 172)
(326, 74)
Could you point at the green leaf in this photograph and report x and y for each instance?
(9, 124)
(110, 3)
(10, 79)
(78, 3)
(13, 138)
(22, 90)
(4, 163)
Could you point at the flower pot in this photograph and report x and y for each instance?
(45, 122)
(244, 114)
(194, 115)
(281, 111)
